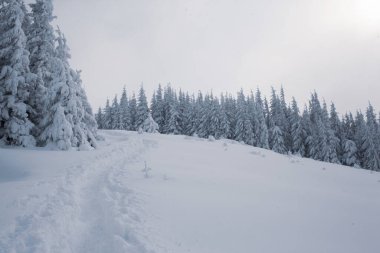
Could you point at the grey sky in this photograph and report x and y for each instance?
(332, 46)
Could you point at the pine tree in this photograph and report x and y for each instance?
(243, 130)
(100, 118)
(142, 108)
(41, 45)
(114, 113)
(277, 140)
(107, 116)
(133, 112)
(371, 159)
(310, 148)
(332, 140)
(296, 130)
(186, 115)
(15, 77)
(215, 118)
(173, 126)
(349, 154)
(285, 123)
(204, 118)
(150, 126)
(88, 123)
(336, 127)
(65, 93)
(124, 116)
(157, 108)
(261, 129)
(371, 142)
(231, 112)
(224, 127)
(196, 114)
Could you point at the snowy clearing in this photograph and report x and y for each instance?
(195, 195)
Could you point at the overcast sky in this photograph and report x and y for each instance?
(331, 46)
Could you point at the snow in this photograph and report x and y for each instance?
(198, 196)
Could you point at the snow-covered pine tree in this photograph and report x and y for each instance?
(371, 142)
(115, 113)
(215, 118)
(189, 115)
(277, 140)
(336, 127)
(99, 118)
(88, 125)
(261, 129)
(296, 130)
(186, 115)
(332, 140)
(359, 135)
(196, 114)
(348, 127)
(41, 45)
(204, 118)
(107, 115)
(157, 108)
(349, 154)
(371, 159)
(285, 125)
(150, 126)
(183, 112)
(64, 92)
(310, 148)
(230, 109)
(373, 126)
(252, 114)
(224, 127)
(125, 116)
(173, 126)
(15, 76)
(133, 112)
(243, 131)
(318, 138)
(142, 108)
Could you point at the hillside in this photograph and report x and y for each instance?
(196, 196)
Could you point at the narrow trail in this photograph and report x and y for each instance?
(90, 208)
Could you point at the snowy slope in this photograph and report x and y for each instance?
(199, 196)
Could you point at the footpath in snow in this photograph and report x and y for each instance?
(195, 196)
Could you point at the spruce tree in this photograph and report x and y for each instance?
(65, 94)
(142, 108)
(349, 154)
(150, 126)
(133, 112)
(107, 115)
(114, 114)
(41, 45)
(277, 140)
(15, 77)
(100, 118)
(157, 108)
(261, 130)
(296, 130)
(124, 113)
(243, 130)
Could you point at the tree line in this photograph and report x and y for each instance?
(318, 132)
(42, 101)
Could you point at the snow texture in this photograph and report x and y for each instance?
(199, 196)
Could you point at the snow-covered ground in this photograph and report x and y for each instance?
(198, 196)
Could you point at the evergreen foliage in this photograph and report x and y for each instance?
(316, 133)
(41, 97)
